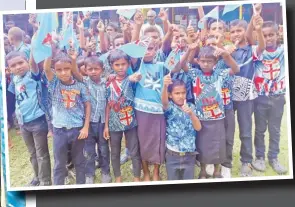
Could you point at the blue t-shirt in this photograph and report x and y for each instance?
(227, 93)
(97, 93)
(270, 73)
(207, 90)
(25, 49)
(28, 93)
(180, 132)
(120, 97)
(149, 88)
(68, 103)
(243, 85)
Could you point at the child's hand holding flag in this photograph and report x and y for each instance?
(100, 26)
(136, 77)
(167, 80)
(220, 52)
(187, 109)
(138, 18)
(80, 23)
(163, 14)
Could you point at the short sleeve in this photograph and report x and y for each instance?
(84, 93)
(52, 84)
(168, 111)
(36, 76)
(11, 87)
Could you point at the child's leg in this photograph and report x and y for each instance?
(77, 153)
(29, 141)
(217, 173)
(156, 172)
(203, 174)
(133, 146)
(146, 171)
(60, 152)
(229, 136)
(103, 145)
(172, 166)
(89, 148)
(274, 126)
(40, 131)
(261, 113)
(188, 167)
(116, 138)
(244, 113)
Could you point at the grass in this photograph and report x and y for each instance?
(21, 171)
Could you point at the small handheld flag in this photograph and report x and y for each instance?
(128, 13)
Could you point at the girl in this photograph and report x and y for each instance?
(120, 116)
(182, 124)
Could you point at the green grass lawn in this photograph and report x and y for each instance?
(21, 171)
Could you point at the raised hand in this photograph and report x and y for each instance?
(138, 18)
(72, 53)
(167, 80)
(163, 15)
(80, 23)
(187, 109)
(100, 26)
(230, 48)
(257, 9)
(257, 22)
(220, 52)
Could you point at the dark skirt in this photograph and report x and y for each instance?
(211, 143)
(152, 136)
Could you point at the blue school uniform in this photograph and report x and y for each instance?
(181, 135)
(207, 91)
(270, 73)
(243, 86)
(120, 97)
(25, 49)
(28, 95)
(68, 103)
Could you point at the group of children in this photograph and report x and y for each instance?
(177, 117)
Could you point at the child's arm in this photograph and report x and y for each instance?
(75, 72)
(258, 22)
(196, 122)
(135, 77)
(228, 59)
(103, 45)
(164, 17)
(166, 46)
(165, 99)
(139, 20)
(106, 133)
(85, 129)
(80, 25)
(47, 69)
(33, 65)
(249, 32)
(127, 32)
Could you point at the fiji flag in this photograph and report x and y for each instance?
(68, 34)
(127, 13)
(173, 59)
(230, 12)
(214, 13)
(136, 49)
(41, 43)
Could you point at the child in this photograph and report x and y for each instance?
(15, 36)
(120, 115)
(96, 86)
(30, 114)
(269, 106)
(182, 125)
(243, 87)
(208, 80)
(70, 106)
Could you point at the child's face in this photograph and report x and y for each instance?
(94, 71)
(178, 95)
(110, 31)
(118, 42)
(151, 53)
(120, 67)
(18, 66)
(207, 64)
(270, 36)
(237, 34)
(63, 71)
(217, 27)
(7, 46)
(155, 37)
(211, 42)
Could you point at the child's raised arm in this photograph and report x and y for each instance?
(257, 23)
(165, 98)
(47, 69)
(103, 45)
(80, 25)
(196, 122)
(138, 20)
(164, 17)
(33, 66)
(73, 55)
(166, 46)
(228, 59)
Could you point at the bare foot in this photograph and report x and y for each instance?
(136, 179)
(146, 178)
(49, 134)
(156, 177)
(118, 180)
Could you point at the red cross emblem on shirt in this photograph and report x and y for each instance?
(197, 87)
(69, 98)
(271, 69)
(212, 111)
(125, 115)
(225, 96)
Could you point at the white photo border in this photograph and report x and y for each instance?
(124, 184)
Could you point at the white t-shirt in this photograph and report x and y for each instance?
(146, 25)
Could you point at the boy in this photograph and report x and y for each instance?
(16, 39)
(26, 86)
(243, 87)
(70, 118)
(269, 106)
(97, 89)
